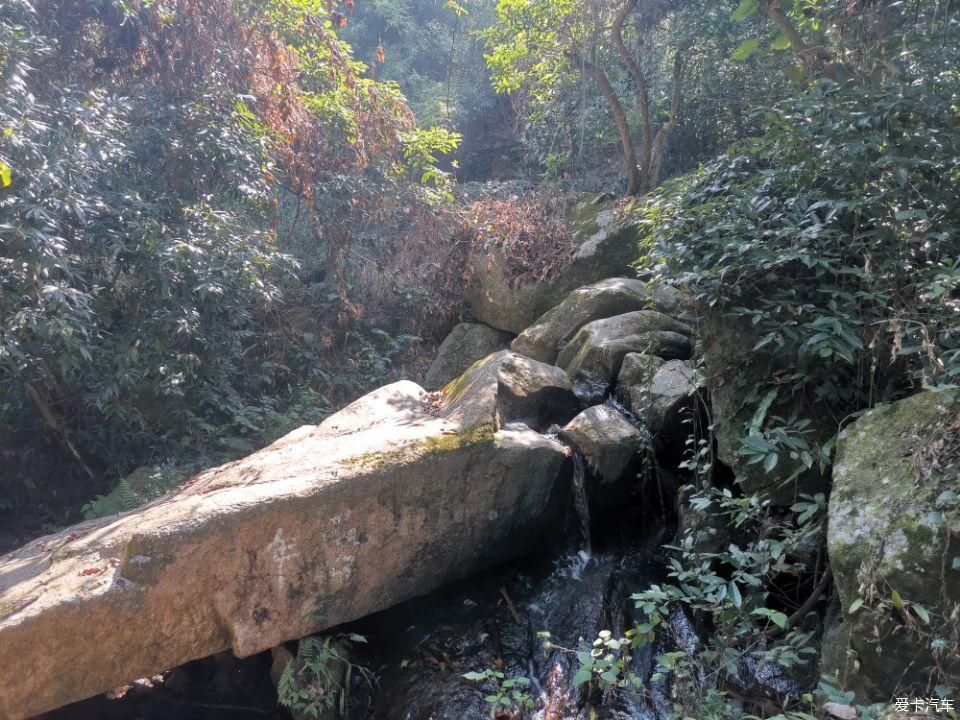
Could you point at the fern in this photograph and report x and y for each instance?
(126, 497)
(318, 680)
(238, 444)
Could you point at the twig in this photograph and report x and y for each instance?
(806, 607)
(513, 610)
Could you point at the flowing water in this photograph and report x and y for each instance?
(581, 501)
(422, 649)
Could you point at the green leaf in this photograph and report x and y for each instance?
(735, 594)
(770, 461)
(922, 613)
(756, 422)
(582, 678)
(780, 42)
(854, 606)
(745, 9)
(6, 175)
(776, 617)
(746, 50)
(897, 600)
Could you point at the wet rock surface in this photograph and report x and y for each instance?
(664, 397)
(609, 442)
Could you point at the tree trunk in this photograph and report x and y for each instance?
(663, 135)
(643, 97)
(53, 421)
(620, 119)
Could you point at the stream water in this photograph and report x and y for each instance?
(422, 650)
(581, 501)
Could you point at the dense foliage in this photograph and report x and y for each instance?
(216, 223)
(161, 167)
(659, 82)
(832, 240)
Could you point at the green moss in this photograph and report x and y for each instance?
(888, 473)
(582, 217)
(456, 389)
(433, 445)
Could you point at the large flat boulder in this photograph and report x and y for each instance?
(612, 296)
(466, 343)
(592, 359)
(607, 244)
(894, 539)
(388, 499)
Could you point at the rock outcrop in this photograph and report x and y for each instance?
(466, 343)
(513, 388)
(385, 500)
(592, 359)
(607, 440)
(734, 371)
(613, 296)
(397, 494)
(893, 545)
(661, 394)
(606, 241)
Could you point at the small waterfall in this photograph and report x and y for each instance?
(580, 500)
(650, 468)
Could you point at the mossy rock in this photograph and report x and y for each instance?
(506, 387)
(594, 356)
(466, 343)
(734, 372)
(893, 543)
(607, 241)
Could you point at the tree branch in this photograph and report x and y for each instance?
(812, 56)
(660, 142)
(807, 606)
(597, 74)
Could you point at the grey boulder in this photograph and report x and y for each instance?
(466, 343)
(613, 296)
(592, 359)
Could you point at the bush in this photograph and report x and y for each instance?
(147, 157)
(837, 234)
